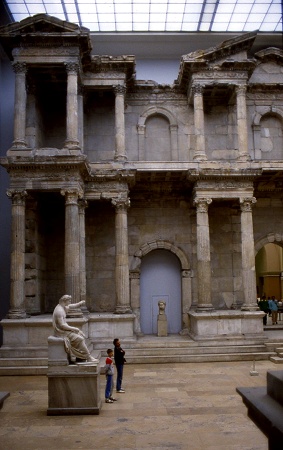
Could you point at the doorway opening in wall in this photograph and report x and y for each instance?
(269, 271)
(160, 280)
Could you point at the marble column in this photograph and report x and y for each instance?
(82, 207)
(72, 125)
(122, 256)
(186, 298)
(81, 115)
(72, 247)
(242, 125)
(203, 255)
(199, 153)
(19, 141)
(120, 148)
(248, 255)
(17, 295)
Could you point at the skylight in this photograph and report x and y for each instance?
(158, 15)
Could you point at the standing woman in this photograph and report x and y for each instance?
(119, 357)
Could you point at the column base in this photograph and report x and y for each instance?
(200, 157)
(244, 158)
(120, 158)
(73, 313)
(249, 308)
(17, 314)
(72, 145)
(19, 144)
(205, 308)
(123, 310)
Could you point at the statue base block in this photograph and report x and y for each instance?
(74, 389)
(162, 325)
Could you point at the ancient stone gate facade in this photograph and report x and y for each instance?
(105, 168)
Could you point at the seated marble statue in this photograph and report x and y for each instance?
(74, 338)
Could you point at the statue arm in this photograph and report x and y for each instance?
(63, 326)
(76, 305)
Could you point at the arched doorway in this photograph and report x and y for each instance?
(269, 266)
(160, 279)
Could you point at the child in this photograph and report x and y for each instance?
(109, 372)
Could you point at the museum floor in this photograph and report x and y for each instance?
(191, 406)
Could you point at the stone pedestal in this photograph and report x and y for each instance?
(265, 407)
(72, 389)
(162, 325)
(215, 325)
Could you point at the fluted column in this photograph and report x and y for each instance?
(81, 115)
(242, 125)
(19, 141)
(72, 126)
(17, 294)
(122, 256)
(72, 247)
(82, 207)
(120, 148)
(199, 154)
(203, 255)
(248, 255)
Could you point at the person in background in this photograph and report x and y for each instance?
(119, 357)
(273, 307)
(263, 306)
(109, 372)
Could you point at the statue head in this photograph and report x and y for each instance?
(65, 300)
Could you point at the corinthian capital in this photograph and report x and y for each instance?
(241, 89)
(121, 203)
(197, 89)
(18, 197)
(247, 203)
(72, 196)
(19, 67)
(202, 204)
(72, 67)
(119, 89)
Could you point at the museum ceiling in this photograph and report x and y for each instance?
(157, 15)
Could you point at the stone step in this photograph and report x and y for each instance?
(141, 352)
(3, 396)
(23, 362)
(23, 352)
(24, 370)
(205, 357)
(276, 359)
(158, 343)
(275, 385)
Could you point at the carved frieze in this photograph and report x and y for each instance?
(46, 51)
(225, 185)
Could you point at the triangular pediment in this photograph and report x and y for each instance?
(41, 23)
(270, 54)
(44, 30)
(229, 55)
(224, 50)
(268, 70)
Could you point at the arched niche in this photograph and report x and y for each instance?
(186, 275)
(163, 115)
(267, 132)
